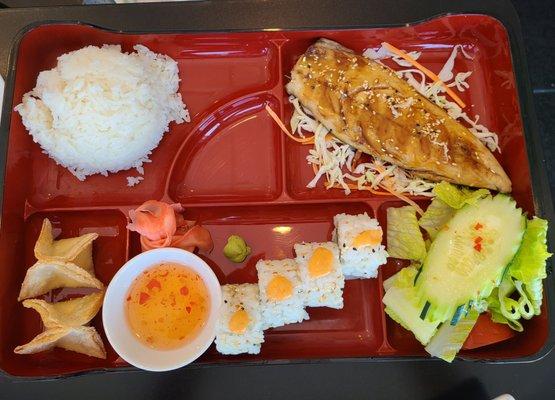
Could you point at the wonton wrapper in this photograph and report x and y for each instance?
(70, 313)
(46, 276)
(77, 250)
(81, 339)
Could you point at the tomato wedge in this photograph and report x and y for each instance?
(487, 332)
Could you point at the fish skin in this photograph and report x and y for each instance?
(352, 96)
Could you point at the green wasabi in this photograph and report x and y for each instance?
(236, 249)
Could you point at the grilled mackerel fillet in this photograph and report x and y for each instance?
(367, 106)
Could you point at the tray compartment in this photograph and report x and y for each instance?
(214, 69)
(109, 254)
(234, 154)
(491, 94)
(355, 331)
(271, 231)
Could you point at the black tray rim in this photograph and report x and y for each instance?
(505, 15)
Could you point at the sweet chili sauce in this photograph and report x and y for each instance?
(167, 305)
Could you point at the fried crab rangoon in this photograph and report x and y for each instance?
(63, 323)
(61, 264)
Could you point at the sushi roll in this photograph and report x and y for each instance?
(321, 274)
(281, 292)
(239, 328)
(361, 251)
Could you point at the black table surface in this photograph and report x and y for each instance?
(425, 379)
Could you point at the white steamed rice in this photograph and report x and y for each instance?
(100, 110)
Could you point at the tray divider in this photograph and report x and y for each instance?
(385, 348)
(278, 94)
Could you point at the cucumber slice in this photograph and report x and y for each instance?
(467, 258)
(401, 306)
(449, 339)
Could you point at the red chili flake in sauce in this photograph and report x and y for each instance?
(478, 239)
(129, 298)
(154, 283)
(478, 226)
(143, 297)
(184, 290)
(478, 247)
(188, 309)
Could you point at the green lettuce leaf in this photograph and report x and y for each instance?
(524, 276)
(505, 309)
(529, 263)
(534, 290)
(498, 318)
(436, 216)
(404, 239)
(402, 279)
(525, 307)
(494, 308)
(456, 197)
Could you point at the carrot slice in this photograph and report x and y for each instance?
(314, 168)
(308, 140)
(425, 70)
(357, 157)
(401, 196)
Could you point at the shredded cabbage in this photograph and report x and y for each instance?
(404, 239)
(446, 73)
(383, 53)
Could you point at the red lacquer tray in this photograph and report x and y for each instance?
(236, 173)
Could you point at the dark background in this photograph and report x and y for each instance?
(426, 379)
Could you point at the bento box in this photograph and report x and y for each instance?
(234, 172)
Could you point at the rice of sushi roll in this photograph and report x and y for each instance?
(239, 328)
(281, 292)
(321, 274)
(361, 251)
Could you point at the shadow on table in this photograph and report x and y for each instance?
(470, 389)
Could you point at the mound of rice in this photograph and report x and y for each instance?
(100, 110)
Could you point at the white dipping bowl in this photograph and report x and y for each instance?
(114, 316)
